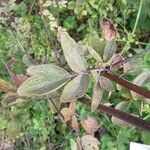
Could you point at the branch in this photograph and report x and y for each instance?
(56, 108)
(128, 59)
(119, 114)
(48, 37)
(125, 83)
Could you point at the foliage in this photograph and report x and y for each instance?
(55, 52)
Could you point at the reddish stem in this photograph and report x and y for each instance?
(127, 84)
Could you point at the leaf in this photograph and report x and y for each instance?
(108, 29)
(95, 74)
(97, 44)
(72, 53)
(141, 80)
(10, 99)
(95, 55)
(19, 79)
(6, 86)
(52, 71)
(146, 137)
(41, 85)
(76, 88)
(97, 96)
(89, 142)
(83, 49)
(132, 66)
(74, 123)
(27, 60)
(67, 113)
(110, 49)
(106, 84)
(72, 106)
(117, 62)
(13, 129)
(46, 79)
(73, 144)
(121, 106)
(79, 146)
(90, 125)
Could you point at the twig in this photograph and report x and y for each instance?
(127, 45)
(119, 114)
(138, 16)
(56, 108)
(49, 40)
(12, 75)
(139, 55)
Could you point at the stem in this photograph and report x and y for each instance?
(119, 114)
(56, 108)
(137, 18)
(48, 38)
(127, 45)
(124, 83)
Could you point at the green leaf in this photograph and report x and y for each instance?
(132, 66)
(3, 122)
(41, 85)
(73, 144)
(13, 129)
(44, 79)
(27, 60)
(95, 55)
(141, 80)
(72, 53)
(121, 106)
(49, 70)
(146, 137)
(106, 84)
(110, 49)
(97, 44)
(97, 96)
(76, 88)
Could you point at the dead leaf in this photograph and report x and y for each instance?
(6, 86)
(89, 142)
(108, 29)
(79, 146)
(67, 113)
(74, 123)
(90, 125)
(19, 79)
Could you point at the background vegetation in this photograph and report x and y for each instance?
(35, 124)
